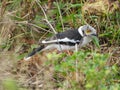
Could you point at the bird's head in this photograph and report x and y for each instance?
(87, 30)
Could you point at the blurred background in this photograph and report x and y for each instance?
(24, 23)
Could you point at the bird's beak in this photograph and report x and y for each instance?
(95, 35)
(96, 40)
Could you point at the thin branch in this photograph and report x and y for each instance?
(46, 18)
(34, 25)
(60, 15)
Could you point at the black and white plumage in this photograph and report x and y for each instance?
(67, 40)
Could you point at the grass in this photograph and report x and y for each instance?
(24, 23)
(84, 70)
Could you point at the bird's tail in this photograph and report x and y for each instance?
(34, 52)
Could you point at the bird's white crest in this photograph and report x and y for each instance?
(80, 30)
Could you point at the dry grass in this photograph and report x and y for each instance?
(100, 7)
(7, 61)
(7, 26)
(38, 74)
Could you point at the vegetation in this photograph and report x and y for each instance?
(25, 22)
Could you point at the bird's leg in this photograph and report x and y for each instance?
(76, 47)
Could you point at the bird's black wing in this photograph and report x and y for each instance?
(69, 37)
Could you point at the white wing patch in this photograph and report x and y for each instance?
(27, 58)
(61, 40)
(59, 47)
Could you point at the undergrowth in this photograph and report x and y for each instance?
(85, 70)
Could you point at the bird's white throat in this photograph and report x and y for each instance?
(86, 40)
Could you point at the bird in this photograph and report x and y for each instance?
(66, 40)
